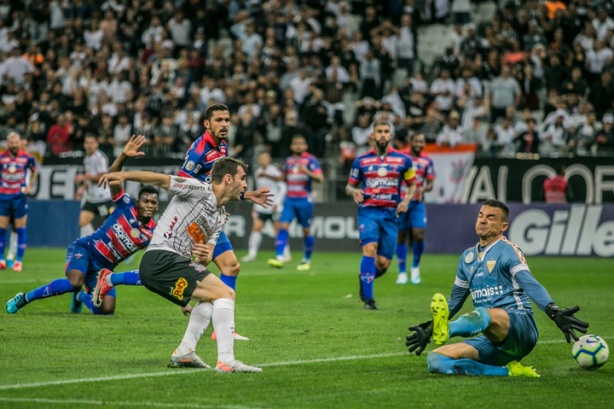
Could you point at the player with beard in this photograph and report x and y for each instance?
(412, 224)
(300, 169)
(14, 165)
(375, 184)
(198, 163)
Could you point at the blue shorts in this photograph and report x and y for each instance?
(299, 209)
(79, 257)
(520, 341)
(222, 246)
(378, 225)
(14, 205)
(415, 217)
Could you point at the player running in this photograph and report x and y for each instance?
(375, 184)
(193, 219)
(496, 275)
(412, 224)
(14, 192)
(300, 169)
(128, 229)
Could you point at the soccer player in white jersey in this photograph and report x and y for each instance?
(495, 274)
(97, 200)
(267, 176)
(193, 219)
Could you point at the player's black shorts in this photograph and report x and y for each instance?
(102, 209)
(172, 276)
(265, 216)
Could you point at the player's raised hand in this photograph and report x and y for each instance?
(133, 145)
(111, 179)
(262, 196)
(565, 320)
(420, 338)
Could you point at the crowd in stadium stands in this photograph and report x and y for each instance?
(535, 79)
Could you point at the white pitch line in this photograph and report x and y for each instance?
(191, 371)
(113, 403)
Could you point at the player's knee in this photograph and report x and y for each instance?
(223, 292)
(231, 269)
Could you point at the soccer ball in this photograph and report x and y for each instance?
(590, 352)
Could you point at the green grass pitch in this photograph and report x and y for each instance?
(317, 345)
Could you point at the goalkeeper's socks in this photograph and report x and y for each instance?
(417, 250)
(438, 363)
(125, 278)
(56, 287)
(402, 257)
(470, 324)
(367, 275)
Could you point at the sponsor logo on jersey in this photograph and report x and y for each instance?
(124, 239)
(180, 286)
(190, 165)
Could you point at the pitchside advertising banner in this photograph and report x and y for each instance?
(552, 230)
(582, 229)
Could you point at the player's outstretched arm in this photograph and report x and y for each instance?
(420, 338)
(149, 178)
(131, 150)
(565, 320)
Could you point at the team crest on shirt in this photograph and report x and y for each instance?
(190, 165)
(490, 264)
(382, 171)
(469, 257)
(12, 168)
(135, 233)
(126, 199)
(180, 286)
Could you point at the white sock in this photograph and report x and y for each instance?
(87, 230)
(223, 319)
(108, 280)
(287, 254)
(200, 317)
(255, 238)
(12, 246)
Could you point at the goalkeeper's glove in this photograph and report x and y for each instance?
(420, 338)
(565, 320)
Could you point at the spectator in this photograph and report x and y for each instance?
(450, 135)
(604, 140)
(58, 137)
(505, 91)
(528, 141)
(553, 138)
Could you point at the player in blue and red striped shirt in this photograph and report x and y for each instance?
(300, 169)
(14, 165)
(127, 230)
(375, 184)
(412, 224)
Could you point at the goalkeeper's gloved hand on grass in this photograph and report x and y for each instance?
(420, 338)
(565, 320)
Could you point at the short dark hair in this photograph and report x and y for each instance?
(415, 135)
(498, 204)
(381, 122)
(148, 189)
(226, 166)
(215, 107)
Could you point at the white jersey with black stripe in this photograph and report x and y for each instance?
(192, 216)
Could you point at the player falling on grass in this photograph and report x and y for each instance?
(199, 161)
(412, 224)
(496, 276)
(267, 176)
(128, 229)
(14, 165)
(375, 184)
(194, 218)
(300, 169)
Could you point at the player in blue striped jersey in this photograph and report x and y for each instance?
(375, 184)
(496, 276)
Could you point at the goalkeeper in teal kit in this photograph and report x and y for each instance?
(496, 276)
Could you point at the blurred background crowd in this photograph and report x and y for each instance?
(517, 78)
